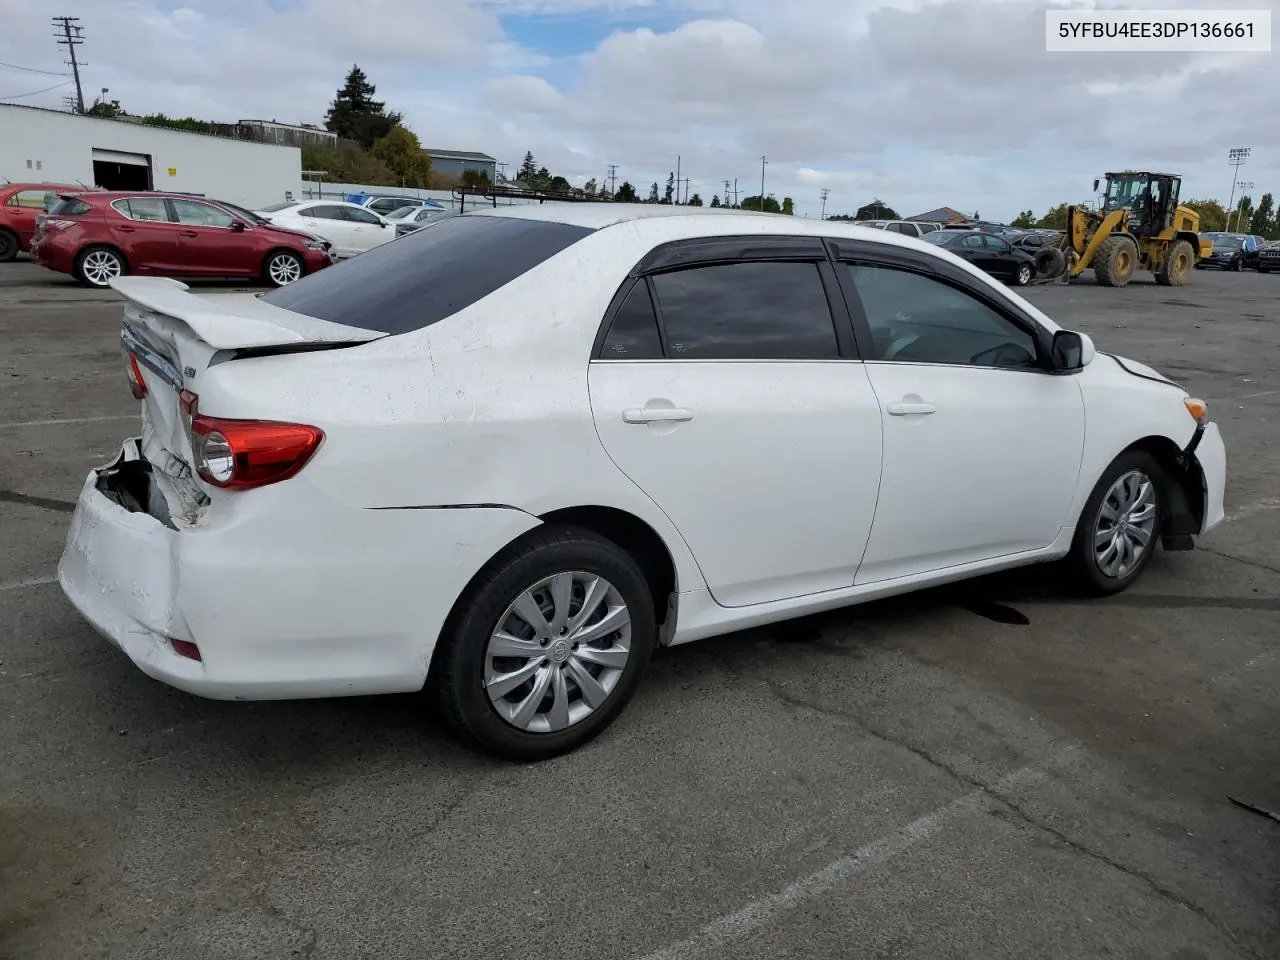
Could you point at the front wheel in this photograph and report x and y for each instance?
(1024, 274)
(1120, 524)
(283, 267)
(547, 646)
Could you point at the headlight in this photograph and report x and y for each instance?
(317, 244)
(1198, 409)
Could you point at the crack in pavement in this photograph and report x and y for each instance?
(47, 503)
(1248, 563)
(800, 703)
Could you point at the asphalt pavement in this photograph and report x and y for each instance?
(990, 770)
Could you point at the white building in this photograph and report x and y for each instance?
(40, 146)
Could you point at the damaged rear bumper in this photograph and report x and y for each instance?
(286, 591)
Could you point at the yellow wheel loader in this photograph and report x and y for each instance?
(1141, 226)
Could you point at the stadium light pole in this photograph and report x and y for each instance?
(1235, 156)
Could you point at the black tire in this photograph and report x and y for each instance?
(8, 245)
(1116, 261)
(1023, 274)
(459, 666)
(1179, 261)
(88, 279)
(1083, 559)
(1051, 262)
(1238, 265)
(271, 271)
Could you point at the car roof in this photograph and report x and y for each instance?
(45, 185)
(110, 195)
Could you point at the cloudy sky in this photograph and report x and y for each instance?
(920, 103)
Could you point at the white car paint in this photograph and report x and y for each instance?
(362, 229)
(792, 489)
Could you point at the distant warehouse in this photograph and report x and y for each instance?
(38, 145)
(455, 163)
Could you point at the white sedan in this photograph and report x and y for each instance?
(351, 228)
(506, 457)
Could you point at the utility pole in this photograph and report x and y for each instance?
(70, 31)
(685, 181)
(1235, 156)
(735, 191)
(763, 161)
(823, 215)
(613, 179)
(1245, 187)
(728, 202)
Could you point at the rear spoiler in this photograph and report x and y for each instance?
(234, 321)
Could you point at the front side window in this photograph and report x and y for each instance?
(998, 245)
(755, 310)
(151, 209)
(973, 242)
(201, 214)
(358, 216)
(917, 319)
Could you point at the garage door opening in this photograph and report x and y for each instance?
(113, 170)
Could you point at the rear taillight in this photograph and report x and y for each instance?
(241, 454)
(137, 386)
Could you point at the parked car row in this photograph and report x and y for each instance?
(350, 227)
(21, 206)
(97, 236)
(1233, 251)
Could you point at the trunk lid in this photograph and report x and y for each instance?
(175, 337)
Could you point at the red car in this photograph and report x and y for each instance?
(20, 205)
(102, 235)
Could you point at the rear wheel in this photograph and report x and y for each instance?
(1115, 262)
(1177, 266)
(283, 267)
(1120, 524)
(1024, 274)
(547, 646)
(98, 266)
(8, 245)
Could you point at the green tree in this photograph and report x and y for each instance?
(1054, 219)
(753, 203)
(1212, 216)
(528, 167)
(788, 206)
(876, 210)
(1263, 221)
(402, 153)
(843, 218)
(347, 163)
(105, 108)
(589, 188)
(559, 185)
(715, 200)
(696, 200)
(355, 115)
(627, 193)
(653, 193)
(1024, 219)
(475, 179)
(1242, 215)
(671, 187)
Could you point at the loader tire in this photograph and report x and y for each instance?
(1050, 263)
(1178, 264)
(1116, 260)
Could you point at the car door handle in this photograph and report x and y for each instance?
(123, 228)
(188, 233)
(656, 415)
(905, 409)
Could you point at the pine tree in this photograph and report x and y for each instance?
(653, 193)
(671, 187)
(355, 115)
(715, 200)
(528, 167)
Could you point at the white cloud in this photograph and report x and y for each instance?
(918, 102)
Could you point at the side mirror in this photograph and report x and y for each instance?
(1071, 351)
(237, 226)
(1095, 184)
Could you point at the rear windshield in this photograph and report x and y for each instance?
(69, 207)
(427, 275)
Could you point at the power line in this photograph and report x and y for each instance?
(19, 96)
(613, 179)
(51, 73)
(72, 34)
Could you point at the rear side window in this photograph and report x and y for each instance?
(69, 207)
(143, 208)
(633, 334)
(426, 275)
(756, 310)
